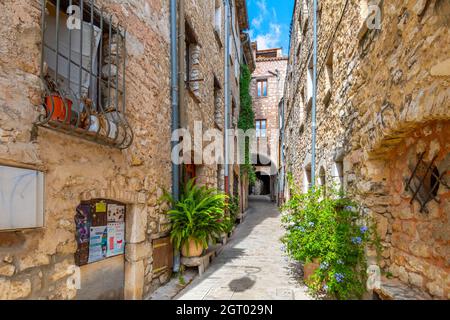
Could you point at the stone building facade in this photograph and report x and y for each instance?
(383, 112)
(267, 88)
(202, 76)
(127, 161)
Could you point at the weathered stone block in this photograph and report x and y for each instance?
(138, 251)
(62, 269)
(420, 6)
(12, 290)
(442, 69)
(403, 274)
(420, 249)
(134, 280)
(136, 224)
(436, 289)
(415, 279)
(32, 260)
(7, 270)
(382, 226)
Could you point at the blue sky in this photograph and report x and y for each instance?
(270, 22)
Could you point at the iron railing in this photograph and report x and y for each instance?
(83, 72)
(424, 182)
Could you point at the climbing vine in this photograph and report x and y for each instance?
(246, 119)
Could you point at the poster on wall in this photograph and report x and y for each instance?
(99, 215)
(98, 243)
(82, 223)
(82, 233)
(116, 239)
(116, 212)
(99, 230)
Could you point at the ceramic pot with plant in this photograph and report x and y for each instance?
(197, 218)
(59, 108)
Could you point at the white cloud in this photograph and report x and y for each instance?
(262, 6)
(271, 39)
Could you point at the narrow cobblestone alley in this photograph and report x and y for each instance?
(252, 265)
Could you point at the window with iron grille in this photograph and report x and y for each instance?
(83, 71)
(424, 182)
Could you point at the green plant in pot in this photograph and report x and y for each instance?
(198, 216)
(329, 234)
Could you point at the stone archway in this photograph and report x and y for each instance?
(406, 189)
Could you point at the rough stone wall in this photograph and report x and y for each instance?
(268, 107)
(200, 105)
(388, 86)
(419, 241)
(35, 263)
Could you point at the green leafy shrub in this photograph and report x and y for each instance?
(233, 211)
(332, 230)
(233, 207)
(199, 214)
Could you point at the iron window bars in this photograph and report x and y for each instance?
(424, 182)
(83, 72)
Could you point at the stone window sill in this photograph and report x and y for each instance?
(218, 37)
(192, 94)
(362, 30)
(327, 97)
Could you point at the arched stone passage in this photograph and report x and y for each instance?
(408, 194)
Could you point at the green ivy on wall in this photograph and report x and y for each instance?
(246, 119)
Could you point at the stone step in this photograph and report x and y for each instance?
(394, 289)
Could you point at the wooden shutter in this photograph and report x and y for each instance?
(162, 255)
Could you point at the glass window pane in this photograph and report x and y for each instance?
(265, 88)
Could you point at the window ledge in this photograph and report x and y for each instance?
(308, 104)
(191, 92)
(327, 97)
(109, 128)
(218, 37)
(362, 30)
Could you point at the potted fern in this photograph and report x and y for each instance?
(199, 216)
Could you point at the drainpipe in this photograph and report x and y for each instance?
(175, 110)
(314, 99)
(182, 64)
(227, 94)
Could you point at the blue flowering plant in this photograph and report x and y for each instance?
(329, 228)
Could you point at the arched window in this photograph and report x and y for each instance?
(323, 179)
(338, 175)
(307, 179)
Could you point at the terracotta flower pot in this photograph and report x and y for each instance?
(195, 249)
(56, 103)
(309, 269)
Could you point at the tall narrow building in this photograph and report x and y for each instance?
(267, 91)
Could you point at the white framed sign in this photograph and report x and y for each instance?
(21, 198)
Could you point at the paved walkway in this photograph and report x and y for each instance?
(252, 265)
